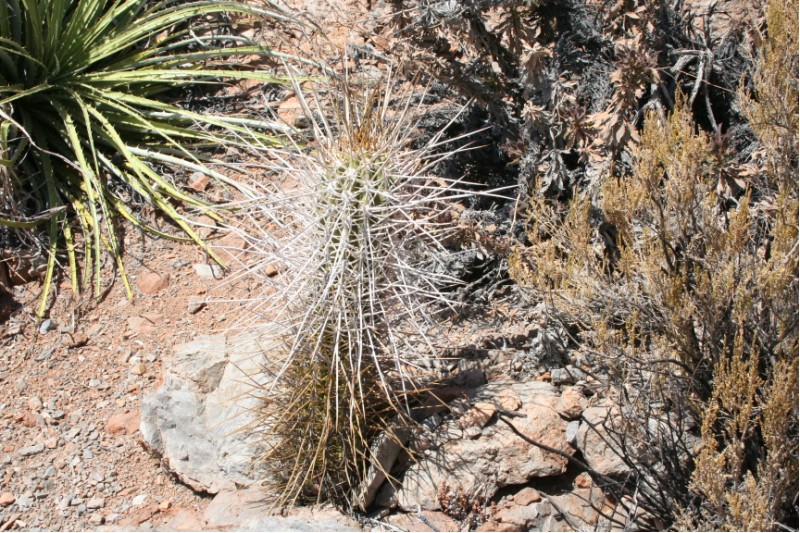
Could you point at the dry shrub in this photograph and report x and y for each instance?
(686, 297)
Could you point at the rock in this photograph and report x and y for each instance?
(208, 271)
(47, 325)
(152, 282)
(96, 519)
(184, 520)
(567, 376)
(244, 510)
(583, 480)
(164, 505)
(527, 496)
(77, 340)
(572, 403)
(30, 420)
(140, 516)
(508, 400)
(572, 432)
(192, 420)
(198, 181)
(24, 501)
(230, 248)
(581, 508)
(96, 503)
(51, 443)
(384, 454)
(138, 369)
(497, 458)
(290, 111)
(271, 270)
(479, 416)
(206, 226)
(139, 500)
(593, 438)
(424, 521)
(518, 515)
(493, 525)
(7, 499)
(31, 450)
(126, 423)
(141, 325)
(35, 403)
(196, 303)
(20, 385)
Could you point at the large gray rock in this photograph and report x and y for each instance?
(193, 420)
(497, 457)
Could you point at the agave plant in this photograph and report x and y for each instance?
(357, 239)
(89, 116)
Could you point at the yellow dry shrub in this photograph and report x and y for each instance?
(663, 276)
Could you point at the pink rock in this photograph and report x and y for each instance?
(152, 282)
(126, 423)
(7, 499)
(527, 496)
(199, 181)
(572, 403)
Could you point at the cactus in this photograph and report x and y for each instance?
(356, 232)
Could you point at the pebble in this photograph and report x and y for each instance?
(96, 519)
(94, 383)
(35, 403)
(152, 282)
(196, 303)
(96, 503)
(139, 499)
(31, 450)
(138, 369)
(7, 499)
(572, 432)
(199, 181)
(46, 326)
(21, 385)
(87, 454)
(208, 271)
(24, 501)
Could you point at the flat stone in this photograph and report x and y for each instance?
(196, 304)
(7, 499)
(126, 423)
(230, 248)
(142, 325)
(497, 458)
(198, 181)
(527, 496)
(208, 271)
(518, 515)
(96, 503)
(244, 510)
(31, 450)
(423, 521)
(152, 282)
